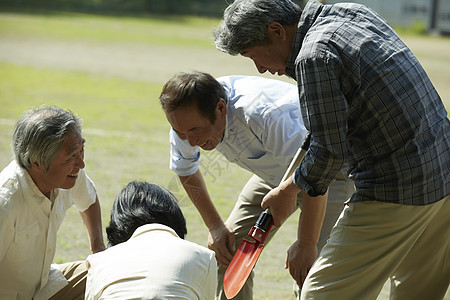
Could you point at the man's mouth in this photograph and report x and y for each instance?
(207, 146)
(74, 175)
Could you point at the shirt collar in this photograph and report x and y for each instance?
(228, 121)
(307, 18)
(153, 227)
(30, 189)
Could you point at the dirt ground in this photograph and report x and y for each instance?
(158, 63)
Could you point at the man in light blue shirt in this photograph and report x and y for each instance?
(254, 122)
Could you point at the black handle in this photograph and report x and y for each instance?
(264, 221)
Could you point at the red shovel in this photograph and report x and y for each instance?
(247, 254)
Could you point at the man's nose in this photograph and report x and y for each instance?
(260, 68)
(80, 161)
(192, 139)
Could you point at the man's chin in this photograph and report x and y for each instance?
(208, 147)
(70, 183)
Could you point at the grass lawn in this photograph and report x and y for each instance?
(110, 71)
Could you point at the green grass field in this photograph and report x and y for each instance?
(110, 71)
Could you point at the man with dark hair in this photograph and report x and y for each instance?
(148, 257)
(254, 122)
(367, 102)
(46, 178)
(141, 203)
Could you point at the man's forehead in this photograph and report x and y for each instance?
(72, 141)
(185, 120)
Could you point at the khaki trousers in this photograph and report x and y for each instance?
(374, 241)
(248, 208)
(75, 273)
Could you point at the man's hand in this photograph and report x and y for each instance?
(302, 254)
(299, 260)
(281, 201)
(221, 241)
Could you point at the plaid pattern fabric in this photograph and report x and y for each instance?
(367, 101)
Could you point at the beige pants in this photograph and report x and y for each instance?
(248, 208)
(374, 241)
(75, 273)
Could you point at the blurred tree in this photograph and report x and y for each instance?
(213, 8)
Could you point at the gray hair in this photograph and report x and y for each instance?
(245, 23)
(39, 135)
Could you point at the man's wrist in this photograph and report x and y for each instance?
(306, 242)
(289, 187)
(98, 246)
(216, 224)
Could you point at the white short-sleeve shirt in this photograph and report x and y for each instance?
(28, 230)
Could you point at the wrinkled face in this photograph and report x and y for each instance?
(190, 125)
(266, 58)
(64, 168)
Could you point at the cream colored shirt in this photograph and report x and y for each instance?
(153, 264)
(28, 229)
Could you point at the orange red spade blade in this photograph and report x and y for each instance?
(246, 256)
(240, 267)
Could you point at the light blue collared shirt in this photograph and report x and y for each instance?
(264, 129)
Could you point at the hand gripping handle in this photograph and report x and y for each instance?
(264, 223)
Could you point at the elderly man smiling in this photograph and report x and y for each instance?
(36, 189)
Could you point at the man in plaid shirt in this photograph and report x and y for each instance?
(367, 101)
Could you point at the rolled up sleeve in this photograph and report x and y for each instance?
(184, 159)
(324, 110)
(84, 193)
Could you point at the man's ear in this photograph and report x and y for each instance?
(276, 32)
(37, 167)
(222, 107)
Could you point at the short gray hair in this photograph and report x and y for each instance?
(245, 23)
(39, 135)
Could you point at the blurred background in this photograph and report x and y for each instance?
(424, 15)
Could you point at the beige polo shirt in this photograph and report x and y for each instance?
(153, 264)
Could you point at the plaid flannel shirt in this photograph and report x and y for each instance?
(367, 101)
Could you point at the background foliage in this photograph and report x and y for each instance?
(166, 7)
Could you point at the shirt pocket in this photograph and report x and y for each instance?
(24, 243)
